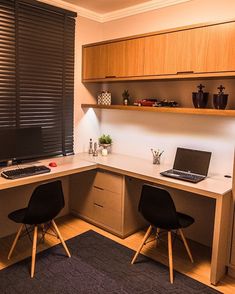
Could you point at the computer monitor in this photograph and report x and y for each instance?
(20, 143)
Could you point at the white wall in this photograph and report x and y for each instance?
(135, 133)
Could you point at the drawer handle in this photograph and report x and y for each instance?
(99, 188)
(110, 77)
(99, 205)
(185, 72)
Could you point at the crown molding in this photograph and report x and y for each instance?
(117, 14)
(140, 8)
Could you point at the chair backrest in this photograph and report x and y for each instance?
(157, 207)
(45, 203)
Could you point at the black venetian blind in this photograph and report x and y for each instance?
(37, 71)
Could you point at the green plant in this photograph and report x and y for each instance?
(105, 139)
(125, 94)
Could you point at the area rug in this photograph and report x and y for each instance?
(98, 265)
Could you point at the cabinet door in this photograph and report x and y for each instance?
(170, 53)
(215, 48)
(154, 55)
(124, 58)
(113, 60)
(133, 58)
(94, 62)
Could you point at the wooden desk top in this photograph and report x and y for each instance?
(65, 166)
(214, 186)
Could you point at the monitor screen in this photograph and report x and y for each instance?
(20, 143)
(194, 161)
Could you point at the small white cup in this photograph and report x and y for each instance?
(104, 152)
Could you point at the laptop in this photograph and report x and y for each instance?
(189, 165)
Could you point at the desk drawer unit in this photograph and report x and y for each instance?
(107, 193)
(107, 200)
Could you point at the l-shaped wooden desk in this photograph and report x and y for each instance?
(215, 186)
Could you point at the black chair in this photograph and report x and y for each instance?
(157, 207)
(44, 205)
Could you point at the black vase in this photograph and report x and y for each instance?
(220, 101)
(200, 99)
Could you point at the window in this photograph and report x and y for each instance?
(37, 71)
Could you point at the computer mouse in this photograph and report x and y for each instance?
(53, 164)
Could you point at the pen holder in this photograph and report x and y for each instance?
(156, 159)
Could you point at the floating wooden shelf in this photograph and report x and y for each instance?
(180, 110)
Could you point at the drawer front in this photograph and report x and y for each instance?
(109, 181)
(107, 199)
(108, 218)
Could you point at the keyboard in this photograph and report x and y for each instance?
(183, 176)
(13, 174)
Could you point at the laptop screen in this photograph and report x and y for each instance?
(193, 161)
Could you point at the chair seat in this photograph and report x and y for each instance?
(18, 215)
(184, 220)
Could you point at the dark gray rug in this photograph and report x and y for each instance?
(98, 265)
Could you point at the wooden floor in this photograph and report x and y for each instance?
(71, 226)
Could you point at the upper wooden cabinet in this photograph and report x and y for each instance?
(206, 50)
(215, 48)
(114, 60)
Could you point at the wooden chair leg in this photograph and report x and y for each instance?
(142, 243)
(170, 256)
(61, 239)
(34, 249)
(15, 241)
(186, 245)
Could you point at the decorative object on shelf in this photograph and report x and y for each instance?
(95, 151)
(220, 100)
(104, 98)
(157, 156)
(105, 141)
(166, 103)
(145, 102)
(200, 98)
(90, 151)
(126, 97)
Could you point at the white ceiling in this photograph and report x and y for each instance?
(105, 6)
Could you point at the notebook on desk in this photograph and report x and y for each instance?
(189, 165)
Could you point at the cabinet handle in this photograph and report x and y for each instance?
(99, 188)
(110, 77)
(185, 72)
(99, 205)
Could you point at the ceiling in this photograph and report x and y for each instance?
(105, 6)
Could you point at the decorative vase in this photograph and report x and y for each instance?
(104, 98)
(220, 100)
(200, 98)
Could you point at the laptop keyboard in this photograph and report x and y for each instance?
(183, 176)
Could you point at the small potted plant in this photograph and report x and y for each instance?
(105, 141)
(126, 97)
